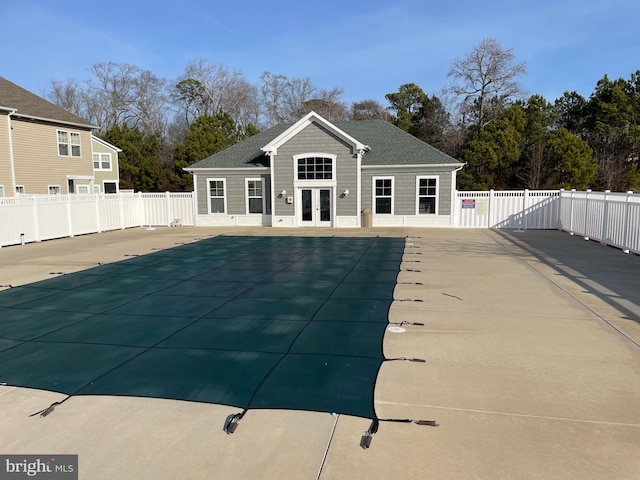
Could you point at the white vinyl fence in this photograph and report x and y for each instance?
(516, 209)
(33, 218)
(611, 218)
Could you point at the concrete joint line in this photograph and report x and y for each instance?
(326, 451)
(518, 415)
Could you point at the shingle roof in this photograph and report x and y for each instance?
(389, 145)
(30, 105)
(244, 154)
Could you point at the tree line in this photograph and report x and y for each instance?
(483, 117)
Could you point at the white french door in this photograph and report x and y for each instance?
(315, 207)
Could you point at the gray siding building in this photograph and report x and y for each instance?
(315, 173)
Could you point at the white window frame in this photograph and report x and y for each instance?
(96, 188)
(318, 181)
(100, 161)
(20, 190)
(246, 194)
(436, 196)
(374, 195)
(82, 189)
(55, 188)
(224, 196)
(70, 144)
(1, 191)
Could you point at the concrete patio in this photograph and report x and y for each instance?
(532, 343)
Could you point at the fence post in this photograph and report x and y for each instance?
(69, 215)
(121, 209)
(98, 223)
(168, 203)
(525, 199)
(605, 217)
(194, 201)
(490, 212)
(586, 214)
(559, 217)
(625, 246)
(573, 191)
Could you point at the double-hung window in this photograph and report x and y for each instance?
(427, 201)
(1, 191)
(255, 202)
(68, 144)
(54, 189)
(217, 195)
(383, 195)
(102, 161)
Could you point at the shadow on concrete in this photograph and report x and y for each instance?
(605, 272)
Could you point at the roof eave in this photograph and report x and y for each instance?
(293, 130)
(54, 120)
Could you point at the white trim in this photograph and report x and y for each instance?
(105, 143)
(262, 197)
(308, 119)
(79, 177)
(49, 187)
(100, 168)
(224, 188)
(272, 188)
(69, 144)
(315, 201)
(2, 191)
(53, 120)
(359, 188)
(82, 187)
(15, 190)
(374, 196)
(11, 158)
(328, 181)
(437, 195)
(422, 166)
(430, 221)
(220, 171)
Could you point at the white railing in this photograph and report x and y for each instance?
(610, 218)
(33, 218)
(517, 209)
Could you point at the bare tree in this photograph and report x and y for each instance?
(123, 94)
(68, 95)
(285, 100)
(485, 80)
(206, 88)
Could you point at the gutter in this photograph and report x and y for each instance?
(52, 120)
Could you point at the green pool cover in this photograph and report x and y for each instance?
(252, 322)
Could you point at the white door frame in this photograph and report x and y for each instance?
(315, 206)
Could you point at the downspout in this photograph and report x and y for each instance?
(454, 191)
(11, 160)
(272, 183)
(359, 185)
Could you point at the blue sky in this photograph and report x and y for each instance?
(368, 48)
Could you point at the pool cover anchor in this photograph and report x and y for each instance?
(44, 412)
(365, 441)
(405, 359)
(231, 423)
(405, 322)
